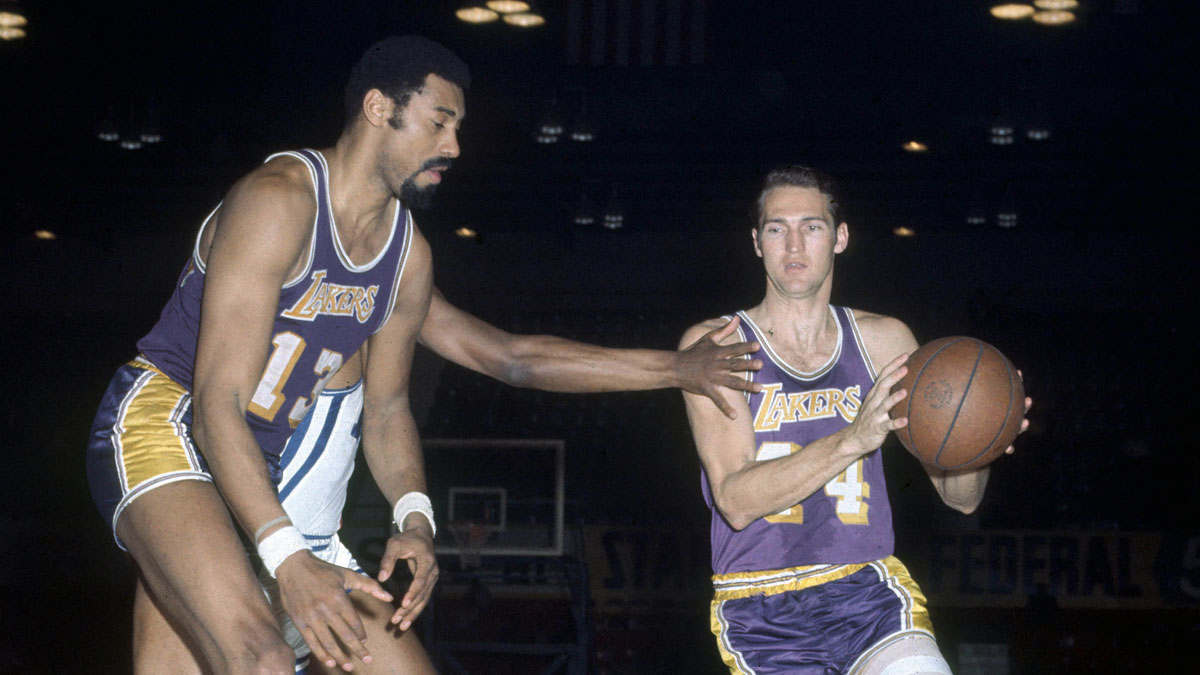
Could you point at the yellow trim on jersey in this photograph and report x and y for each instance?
(149, 435)
(773, 582)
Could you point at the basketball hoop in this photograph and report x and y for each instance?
(470, 538)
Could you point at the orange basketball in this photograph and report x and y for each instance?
(964, 406)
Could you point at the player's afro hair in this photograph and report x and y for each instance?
(398, 66)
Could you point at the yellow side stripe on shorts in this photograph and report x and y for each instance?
(914, 614)
(148, 434)
(772, 582)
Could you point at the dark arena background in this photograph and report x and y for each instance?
(1048, 215)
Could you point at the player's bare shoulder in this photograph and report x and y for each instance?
(275, 202)
(705, 327)
(885, 337)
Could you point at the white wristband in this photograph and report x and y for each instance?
(279, 545)
(413, 501)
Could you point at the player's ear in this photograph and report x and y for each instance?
(754, 236)
(843, 238)
(377, 108)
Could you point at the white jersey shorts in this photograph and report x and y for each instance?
(317, 463)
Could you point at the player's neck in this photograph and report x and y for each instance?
(362, 209)
(803, 327)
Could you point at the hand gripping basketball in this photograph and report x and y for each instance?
(965, 405)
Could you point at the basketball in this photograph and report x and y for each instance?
(964, 406)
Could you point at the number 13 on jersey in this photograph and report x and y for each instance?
(848, 489)
(269, 397)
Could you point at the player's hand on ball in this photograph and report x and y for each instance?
(872, 424)
(416, 547)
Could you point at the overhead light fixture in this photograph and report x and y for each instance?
(131, 143)
(1054, 4)
(582, 129)
(1056, 17)
(9, 33)
(466, 233)
(584, 214)
(545, 139)
(976, 219)
(915, 146)
(476, 14)
(524, 19)
(1001, 133)
(44, 235)
(508, 6)
(1037, 133)
(1006, 219)
(903, 231)
(12, 15)
(1012, 11)
(614, 213)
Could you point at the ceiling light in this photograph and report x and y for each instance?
(1006, 219)
(11, 33)
(1012, 11)
(45, 235)
(524, 19)
(976, 219)
(11, 15)
(466, 233)
(476, 15)
(510, 6)
(131, 143)
(545, 139)
(1001, 134)
(903, 231)
(1054, 17)
(584, 212)
(916, 146)
(1037, 133)
(1051, 4)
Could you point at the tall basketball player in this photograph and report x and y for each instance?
(804, 576)
(307, 258)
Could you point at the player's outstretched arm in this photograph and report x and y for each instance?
(390, 441)
(744, 488)
(261, 231)
(556, 364)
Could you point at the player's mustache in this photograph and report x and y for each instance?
(437, 164)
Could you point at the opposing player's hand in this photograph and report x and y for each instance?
(872, 424)
(706, 366)
(414, 545)
(314, 594)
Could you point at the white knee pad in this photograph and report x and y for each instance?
(914, 655)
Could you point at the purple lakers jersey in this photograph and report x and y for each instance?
(325, 314)
(847, 521)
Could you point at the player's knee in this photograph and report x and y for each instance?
(260, 650)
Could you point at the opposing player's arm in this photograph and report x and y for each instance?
(745, 489)
(390, 441)
(556, 364)
(263, 230)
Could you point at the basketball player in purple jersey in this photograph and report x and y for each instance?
(307, 258)
(803, 571)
